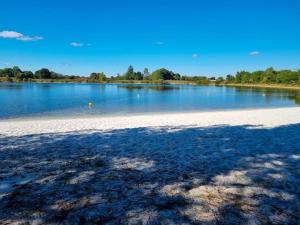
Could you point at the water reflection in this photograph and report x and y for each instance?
(149, 87)
(270, 93)
(296, 98)
(11, 86)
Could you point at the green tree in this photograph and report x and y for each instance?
(138, 76)
(129, 75)
(258, 76)
(16, 71)
(177, 76)
(54, 75)
(42, 74)
(162, 74)
(98, 77)
(230, 79)
(7, 72)
(146, 73)
(28, 74)
(20, 76)
(219, 80)
(287, 76)
(269, 76)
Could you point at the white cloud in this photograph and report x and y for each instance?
(79, 44)
(254, 53)
(27, 38)
(18, 36)
(76, 44)
(195, 55)
(10, 34)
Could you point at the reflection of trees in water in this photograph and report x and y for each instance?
(296, 98)
(269, 93)
(149, 87)
(11, 86)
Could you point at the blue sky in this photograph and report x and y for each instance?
(193, 37)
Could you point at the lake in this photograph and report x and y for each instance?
(51, 99)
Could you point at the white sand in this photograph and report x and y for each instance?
(262, 117)
(237, 167)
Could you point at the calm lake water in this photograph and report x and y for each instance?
(33, 99)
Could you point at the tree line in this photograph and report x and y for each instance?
(268, 76)
(159, 75)
(15, 73)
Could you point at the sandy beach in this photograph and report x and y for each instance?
(257, 117)
(230, 167)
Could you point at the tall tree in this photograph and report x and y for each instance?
(129, 75)
(146, 72)
(43, 74)
(16, 71)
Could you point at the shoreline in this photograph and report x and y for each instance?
(46, 117)
(271, 86)
(128, 115)
(117, 82)
(166, 82)
(258, 117)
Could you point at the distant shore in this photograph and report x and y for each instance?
(71, 81)
(164, 82)
(274, 86)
